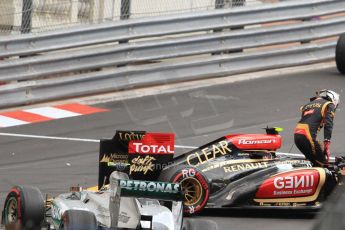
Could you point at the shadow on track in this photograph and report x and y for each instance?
(259, 213)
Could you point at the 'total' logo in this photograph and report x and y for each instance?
(153, 143)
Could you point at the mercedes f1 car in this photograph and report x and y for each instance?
(234, 171)
(124, 204)
(340, 54)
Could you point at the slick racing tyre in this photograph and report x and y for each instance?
(78, 220)
(340, 54)
(24, 209)
(197, 224)
(195, 187)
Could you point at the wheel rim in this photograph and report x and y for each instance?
(11, 210)
(192, 191)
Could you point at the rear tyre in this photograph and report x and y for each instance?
(78, 220)
(24, 208)
(197, 224)
(194, 184)
(340, 54)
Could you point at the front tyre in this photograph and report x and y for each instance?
(24, 208)
(340, 54)
(195, 187)
(78, 220)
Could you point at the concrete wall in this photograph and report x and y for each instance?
(140, 8)
(54, 14)
(10, 15)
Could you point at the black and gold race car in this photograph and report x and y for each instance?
(340, 54)
(234, 171)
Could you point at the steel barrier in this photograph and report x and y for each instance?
(52, 65)
(166, 25)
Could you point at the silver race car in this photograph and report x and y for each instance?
(123, 204)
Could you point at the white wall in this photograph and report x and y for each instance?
(10, 13)
(53, 14)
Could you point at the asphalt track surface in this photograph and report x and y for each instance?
(196, 116)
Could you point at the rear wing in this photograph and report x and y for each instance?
(121, 186)
(140, 154)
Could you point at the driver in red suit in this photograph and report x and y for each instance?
(318, 113)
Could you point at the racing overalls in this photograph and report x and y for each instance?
(317, 113)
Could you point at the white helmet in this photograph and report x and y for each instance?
(331, 96)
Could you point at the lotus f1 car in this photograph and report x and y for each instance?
(124, 204)
(234, 171)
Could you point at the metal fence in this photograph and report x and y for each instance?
(140, 52)
(23, 16)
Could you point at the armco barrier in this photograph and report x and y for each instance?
(174, 24)
(110, 55)
(47, 68)
(135, 76)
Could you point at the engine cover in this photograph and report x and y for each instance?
(299, 185)
(255, 141)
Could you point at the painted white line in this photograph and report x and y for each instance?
(70, 139)
(97, 141)
(52, 112)
(8, 121)
(185, 147)
(48, 137)
(290, 154)
(296, 155)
